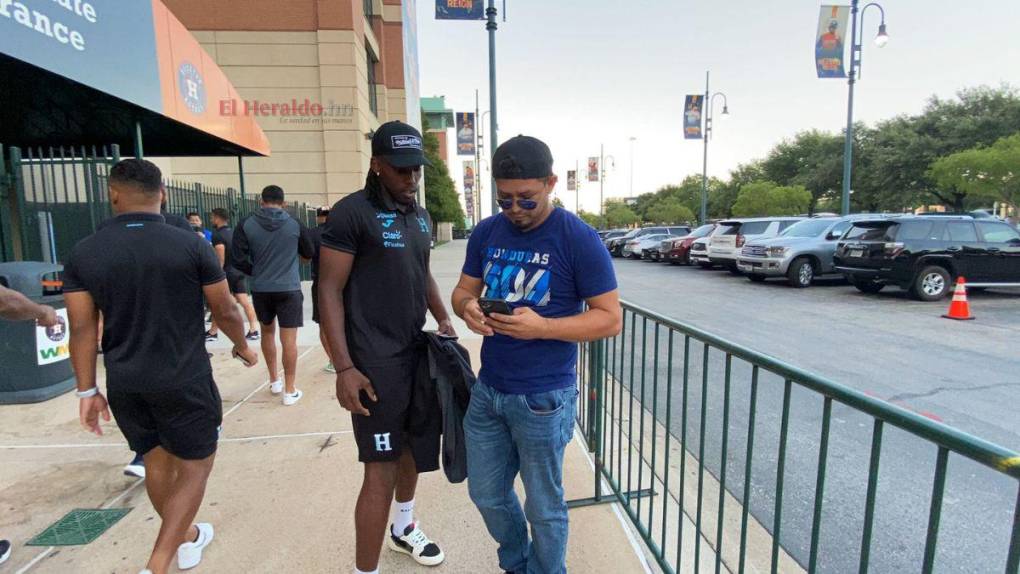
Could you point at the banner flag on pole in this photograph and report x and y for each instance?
(829, 41)
(593, 169)
(693, 105)
(460, 9)
(466, 133)
(572, 180)
(469, 188)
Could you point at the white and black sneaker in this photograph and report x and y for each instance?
(210, 336)
(189, 554)
(5, 550)
(415, 544)
(136, 467)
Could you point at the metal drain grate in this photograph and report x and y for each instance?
(80, 526)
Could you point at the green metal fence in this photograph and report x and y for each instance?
(52, 198)
(725, 458)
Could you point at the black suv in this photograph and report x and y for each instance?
(925, 254)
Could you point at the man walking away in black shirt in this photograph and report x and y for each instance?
(222, 238)
(315, 235)
(148, 279)
(266, 247)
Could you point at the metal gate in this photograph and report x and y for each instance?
(52, 198)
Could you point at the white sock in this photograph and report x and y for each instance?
(356, 571)
(402, 514)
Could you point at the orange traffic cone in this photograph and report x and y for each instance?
(959, 309)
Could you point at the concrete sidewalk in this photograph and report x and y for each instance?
(283, 491)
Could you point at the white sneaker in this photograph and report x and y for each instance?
(146, 571)
(135, 470)
(189, 554)
(290, 399)
(276, 387)
(415, 544)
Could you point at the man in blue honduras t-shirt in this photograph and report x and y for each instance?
(545, 263)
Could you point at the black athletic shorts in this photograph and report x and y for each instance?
(315, 301)
(184, 421)
(287, 305)
(405, 416)
(238, 282)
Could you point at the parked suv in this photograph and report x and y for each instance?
(678, 251)
(659, 251)
(726, 242)
(615, 245)
(925, 254)
(699, 251)
(612, 234)
(802, 251)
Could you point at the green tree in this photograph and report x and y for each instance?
(593, 219)
(765, 198)
(669, 211)
(812, 159)
(722, 198)
(898, 153)
(991, 173)
(619, 215)
(557, 202)
(441, 199)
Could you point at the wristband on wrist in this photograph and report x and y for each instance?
(87, 393)
(344, 370)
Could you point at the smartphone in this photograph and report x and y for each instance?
(490, 306)
(234, 354)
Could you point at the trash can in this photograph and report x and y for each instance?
(35, 361)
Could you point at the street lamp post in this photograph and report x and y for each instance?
(483, 157)
(577, 190)
(490, 25)
(602, 177)
(709, 103)
(632, 140)
(856, 45)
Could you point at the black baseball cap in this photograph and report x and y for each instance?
(322, 211)
(399, 144)
(522, 157)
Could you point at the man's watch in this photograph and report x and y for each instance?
(87, 394)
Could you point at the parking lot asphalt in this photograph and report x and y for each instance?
(889, 346)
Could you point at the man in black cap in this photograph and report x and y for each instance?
(374, 289)
(545, 263)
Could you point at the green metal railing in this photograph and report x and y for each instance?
(52, 198)
(728, 491)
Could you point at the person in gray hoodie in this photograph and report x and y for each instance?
(266, 247)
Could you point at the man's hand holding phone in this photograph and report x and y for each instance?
(474, 317)
(523, 323)
(246, 355)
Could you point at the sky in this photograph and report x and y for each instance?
(580, 74)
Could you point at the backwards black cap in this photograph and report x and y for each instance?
(399, 144)
(522, 157)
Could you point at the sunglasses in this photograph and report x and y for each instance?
(528, 204)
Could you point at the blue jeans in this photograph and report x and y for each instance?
(525, 434)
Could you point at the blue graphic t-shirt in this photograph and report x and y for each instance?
(553, 269)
